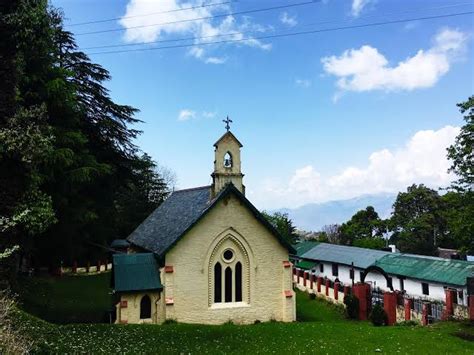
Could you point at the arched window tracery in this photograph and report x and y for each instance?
(229, 273)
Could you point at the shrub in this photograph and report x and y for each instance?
(352, 306)
(407, 323)
(312, 296)
(170, 321)
(378, 316)
(12, 341)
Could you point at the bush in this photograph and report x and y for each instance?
(378, 316)
(407, 323)
(12, 341)
(352, 306)
(312, 296)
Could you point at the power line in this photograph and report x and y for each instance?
(292, 34)
(202, 18)
(150, 14)
(247, 32)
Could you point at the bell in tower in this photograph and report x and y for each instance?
(227, 168)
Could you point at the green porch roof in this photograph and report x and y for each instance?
(135, 272)
(303, 247)
(428, 268)
(306, 265)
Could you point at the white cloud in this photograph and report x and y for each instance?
(186, 114)
(304, 83)
(421, 160)
(209, 114)
(215, 60)
(366, 69)
(288, 20)
(358, 6)
(176, 23)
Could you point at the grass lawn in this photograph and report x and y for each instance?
(321, 329)
(68, 299)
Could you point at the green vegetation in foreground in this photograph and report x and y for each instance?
(67, 299)
(322, 329)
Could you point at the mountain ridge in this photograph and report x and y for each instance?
(313, 216)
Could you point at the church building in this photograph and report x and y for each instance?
(206, 255)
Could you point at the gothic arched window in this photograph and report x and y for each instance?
(228, 284)
(238, 282)
(228, 160)
(145, 307)
(229, 273)
(217, 283)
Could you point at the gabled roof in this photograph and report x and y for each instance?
(180, 212)
(166, 224)
(135, 272)
(303, 247)
(228, 134)
(446, 271)
(342, 254)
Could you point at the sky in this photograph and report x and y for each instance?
(347, 108)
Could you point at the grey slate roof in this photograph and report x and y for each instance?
(174, 217)
(160, 230)
(341, 254)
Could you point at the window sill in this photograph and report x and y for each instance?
(227, 305)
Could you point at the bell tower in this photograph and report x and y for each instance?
(227, 163)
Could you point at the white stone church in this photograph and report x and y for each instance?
(206, 255)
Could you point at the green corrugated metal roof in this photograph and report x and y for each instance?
(306, 265)
(135, 272)
(428, 268)
(303, 247)
(343, 254)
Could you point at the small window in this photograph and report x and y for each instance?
(217, 283)
(361, 274)
(227, 160)
(238, 282)
(145, 307)
(425, 288)
(402, 285)
(335, 270)
(351, 274)
(460, 294)
(228, 284)
(389, 282)
(321, 267)
(228, 255)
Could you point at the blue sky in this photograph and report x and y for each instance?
(321, 116)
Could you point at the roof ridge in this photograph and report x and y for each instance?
(193, 188)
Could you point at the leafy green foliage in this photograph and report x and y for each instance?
(461, 153)
(283, 224)
(72, 172)
(352, 306)
(378, 316)
(364, 229)
(458, 213)
(417, 220)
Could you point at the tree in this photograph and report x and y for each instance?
(87, 183)
(364, 229)
(331, 233)
(283, 224)
(458, 213)
(461, 153)
(417, 220)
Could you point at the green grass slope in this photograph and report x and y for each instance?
(67, 299)
(321, 329)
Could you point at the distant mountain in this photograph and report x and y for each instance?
(313, 216)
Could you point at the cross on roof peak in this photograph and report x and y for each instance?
(227, 122)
